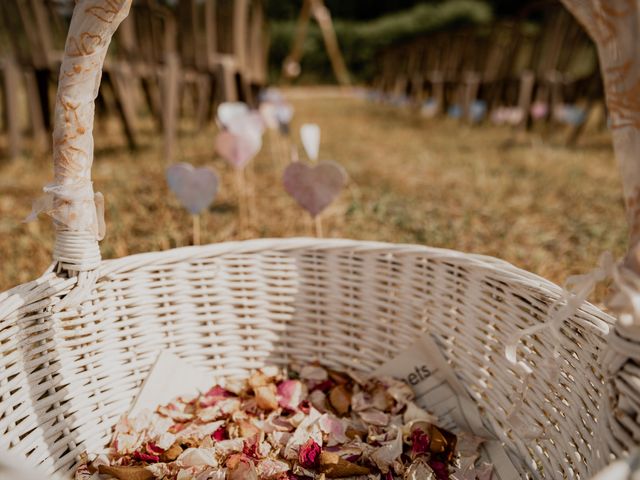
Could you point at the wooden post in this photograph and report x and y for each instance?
(11, 80)
(170, 110)
(291, 64)
(41, 139)
(323, 17)
(317, 8)
(527, 81)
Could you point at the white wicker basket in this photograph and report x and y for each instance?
(77, 343)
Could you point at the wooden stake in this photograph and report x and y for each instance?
(272, 137)
(196, 229)
(170, 112)
(318, 225)
(242, 201)
(251, 192)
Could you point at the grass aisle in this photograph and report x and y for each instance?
(541, 206)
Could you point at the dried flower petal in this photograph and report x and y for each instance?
(220, 434)
(291, 393)
(309, 455)
(442, 442)
(242, 470)
(146, 457)
(266, 397)
(311, 423)
(126, 473)
(419, 442)
(440, 469)
(175, 415)
(419, 470)
(313, 372)
(334, 428)
(171, 453)
(384, 456)
(414, 413)
(340, 399)
(333, 466)
(195, 457)
(270, 468)
(159, 470)
(375, 417)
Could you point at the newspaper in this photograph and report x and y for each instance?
(169, 377)
(439, 391)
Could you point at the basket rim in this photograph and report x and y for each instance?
(50, 283)
(499, 266)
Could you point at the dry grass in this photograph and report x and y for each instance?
(541, 206)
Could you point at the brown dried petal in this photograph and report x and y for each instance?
(242, 470)
(340, 399)
(258, 379)
(339, 377)
(442, 441)
(126, 473)
(334, 466)
(266, 397)
(247, 429)
(172, 453)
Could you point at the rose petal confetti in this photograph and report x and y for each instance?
(297, 424)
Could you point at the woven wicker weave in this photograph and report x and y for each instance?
(76, 344)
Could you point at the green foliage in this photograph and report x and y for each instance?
(361, 41)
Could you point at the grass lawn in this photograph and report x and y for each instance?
(542, 206)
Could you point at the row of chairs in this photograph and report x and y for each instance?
(163, 53)
(534, 66)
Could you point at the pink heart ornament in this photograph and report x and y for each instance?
(250, 123)
(195, 188)
(314, 187)
(237, 150)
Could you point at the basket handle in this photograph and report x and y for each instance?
(613, 26)
(77, 212)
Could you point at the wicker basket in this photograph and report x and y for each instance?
(77, 343)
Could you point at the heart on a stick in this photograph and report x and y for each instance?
(310, 136)
(227, 111)
(237, 150)
(314, 187)
(196, 188)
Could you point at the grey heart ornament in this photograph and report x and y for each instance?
(196, 188)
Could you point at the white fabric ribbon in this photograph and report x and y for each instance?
(577, 288)
(75, 206)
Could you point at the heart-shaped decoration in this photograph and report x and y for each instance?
(237, 150)
(268, 112)
(284, 114)
(227, 111)
(314, 187)
(196, 188)
(249, 123)
(310, 136)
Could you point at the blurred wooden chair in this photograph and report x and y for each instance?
(36, 31)
(147, 41)
(10, 78)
